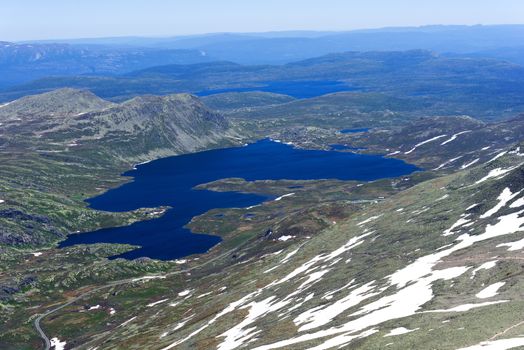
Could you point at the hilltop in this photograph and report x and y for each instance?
(485, 88)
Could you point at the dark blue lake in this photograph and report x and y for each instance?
(170, 182)
(297, 89)
(353, 131)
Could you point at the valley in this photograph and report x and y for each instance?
(316, 210)
(170, 200)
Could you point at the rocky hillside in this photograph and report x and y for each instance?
(61, 103)
(438, 266)
(70, 118)
(432, 260)
(59, 147)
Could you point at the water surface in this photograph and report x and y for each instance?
(170, 182)
(353, 131)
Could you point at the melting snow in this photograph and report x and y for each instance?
(368, 220)
(285, 238)
(239, 334)
(448, 162)
(518, 203)
(490, 291)
(503, 198)
(342, 340)
(454, 137)
(57, 344)
(184, 293)
(424, 142)
(513, 246)
(37, 253)
(465, 166)
(472, 206)
(486, 266)
(501, 344)
(95, 307)
(496, 173)
(460, 222)
(497, 157)
(400, 331)
(317, 317)
(413, 290)
(467, 307)
(288, 256)
(128, 321)
(284, 196)
(157, 302)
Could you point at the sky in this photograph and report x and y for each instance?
(60, 19)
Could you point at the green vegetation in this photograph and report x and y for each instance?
(55, 155)
(483, 88)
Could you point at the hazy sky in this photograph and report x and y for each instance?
(53, 19)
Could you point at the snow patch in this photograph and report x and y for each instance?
(288, 256)
(460, 222)
(495, 173)
(501, 344)
(400, 331)
(486, 266)
(497, 157)
(467, 307)
(454, 137)
(368, 220)
(128, 321)
(424, 142)
(472, 206)
(503, 198)
(184, 293)
(157, 302)
(57, 344)
(513, 246)
(490, 291)
(467, 165)
(443, 197)
(447, 163)
(284, 196)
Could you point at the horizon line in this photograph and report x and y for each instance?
(327, 31)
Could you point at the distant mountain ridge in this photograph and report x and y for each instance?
(20, 63)
(288, 46)
(453, 85)
(26, 61)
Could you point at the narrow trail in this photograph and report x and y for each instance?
(506, 330)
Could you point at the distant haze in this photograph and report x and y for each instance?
(59, 19)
